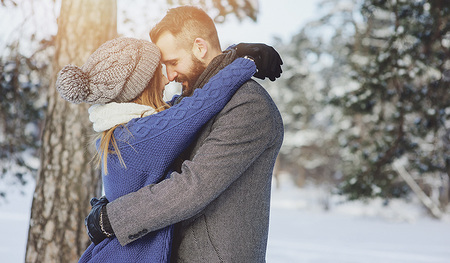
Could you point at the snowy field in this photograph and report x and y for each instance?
(301, 231)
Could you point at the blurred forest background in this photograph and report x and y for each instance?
(364, 96)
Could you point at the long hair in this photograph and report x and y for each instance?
(150, 96)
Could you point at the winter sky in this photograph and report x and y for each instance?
(280, 18)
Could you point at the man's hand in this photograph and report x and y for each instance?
(92, 221)
(267, 60)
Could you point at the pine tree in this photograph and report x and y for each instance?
(384, 92)
(401, 108)
(20, 118)
(309, 150)
(23, 82)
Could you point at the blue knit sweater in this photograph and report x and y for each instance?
(149, 146)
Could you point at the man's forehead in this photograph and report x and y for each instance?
(168, 46)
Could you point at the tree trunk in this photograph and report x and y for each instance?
(67, 178)
(425, 199)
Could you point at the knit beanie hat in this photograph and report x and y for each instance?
(118, 71)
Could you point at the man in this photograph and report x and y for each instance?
(220, 196)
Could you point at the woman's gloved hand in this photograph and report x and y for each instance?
(267, 60)
(95, 221)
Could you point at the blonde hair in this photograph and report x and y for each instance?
(152, 97)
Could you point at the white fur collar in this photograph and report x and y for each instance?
(106, 116)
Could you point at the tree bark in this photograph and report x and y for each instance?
(67, 178)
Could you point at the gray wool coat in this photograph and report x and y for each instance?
(220, 199)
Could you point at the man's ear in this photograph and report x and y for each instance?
(200, 48)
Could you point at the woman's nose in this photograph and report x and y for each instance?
(166, 80)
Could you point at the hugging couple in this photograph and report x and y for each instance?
(187, 180)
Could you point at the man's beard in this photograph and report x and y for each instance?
(188, 81)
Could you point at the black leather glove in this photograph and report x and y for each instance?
(92, 221)
(267, 60)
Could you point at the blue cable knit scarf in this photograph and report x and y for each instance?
(149, 146)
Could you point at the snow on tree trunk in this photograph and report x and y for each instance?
(67, 178)
(426, 200)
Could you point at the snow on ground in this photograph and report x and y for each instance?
(302, 231)
(14, 219)
(351, 232)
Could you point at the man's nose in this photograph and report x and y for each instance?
(171, 75)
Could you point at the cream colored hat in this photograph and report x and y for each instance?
(118, 71)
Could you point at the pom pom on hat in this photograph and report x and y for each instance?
(72, 84)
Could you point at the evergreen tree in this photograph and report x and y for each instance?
(20, 119)
(370, 79)
(309, 150)
(401, 109)
(22, 96)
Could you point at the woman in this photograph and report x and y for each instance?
(140, 140)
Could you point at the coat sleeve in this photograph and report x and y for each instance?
(240, 133)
